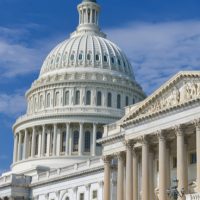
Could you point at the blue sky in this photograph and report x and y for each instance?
(159, 37)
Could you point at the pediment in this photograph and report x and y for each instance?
(184, 87)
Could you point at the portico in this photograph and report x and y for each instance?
(159, 142)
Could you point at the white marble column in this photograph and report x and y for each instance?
(58, 143)
(107, 178)
(81, 140)
(135, 175)
(94, 140)
(88, 191)
(25, 152)
(33, 142)
(43, 141)
(197, 126)
(54, 138)
(145, 170)
(120, 176)
(129, 171)
(75, 193)
(67, 138)
(168, 170)
(181, 159)
(15, 150)
(151, 176)
(162, 166)
(19, 146)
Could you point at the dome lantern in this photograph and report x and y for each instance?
(88, 18)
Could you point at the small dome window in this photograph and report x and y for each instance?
(97, 57)
(113, 60)
(119, 62)
(72, 57)
(88, 56)
(80, 57)
(105, 58)
(57, 59)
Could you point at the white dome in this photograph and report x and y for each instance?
(86, 52)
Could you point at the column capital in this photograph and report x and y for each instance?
(160, 134)
(196, 123)
(34, 128)
(107, 159)
(129, 144)
(120, 155)
(143, 140)
(178, 130)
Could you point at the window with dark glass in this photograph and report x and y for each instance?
(99, 136)
(119, 62)
(87, 141)
(174, 162)
(127, 101)
(48, 100)
(133, 101)
(77, 99)
(75, 141)
(88, 56)
(193, 158)
(80, 57)
(109, 100)
(94, 194)
(112, 60)
(99, 99)
(118, 101)
(97, 57)
(66, 98)
(105, 58)
(81, 196)
(63, 142)
(88, 98)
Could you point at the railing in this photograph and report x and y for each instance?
(15, 179)
(195, 196)
(75, 110)
(69, 170)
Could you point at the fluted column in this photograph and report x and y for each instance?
(162, 166)
(33, 142)
(107, 177)
(19, 146)
(181, 159)
(145, 170)
(15, 150)
(197, 126)
(129, 172)
(58, 143)
(40, 144)
(80, 144)
(54, 138)
(135, 175)
(120, 176)
(94, 140)
(75, 193)
(67, 138)
(43, 141)
(25, 144)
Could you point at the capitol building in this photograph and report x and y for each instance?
(90, 132)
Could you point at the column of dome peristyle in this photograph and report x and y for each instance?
(88, 16)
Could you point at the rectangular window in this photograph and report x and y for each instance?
(193, 158)
(94, 194)
(81, 196)
(174, 162)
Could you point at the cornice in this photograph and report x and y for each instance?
(147, 116)
(111, 139)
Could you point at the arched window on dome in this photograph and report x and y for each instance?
(105, 58)
(99, 98)
(57, 99)
(88, 56)
(75, 141)
(63, 142)
(89, 14)
(36, 144)
(77, 98)
(88, 98)
(87, 141)
(80, 56)
(133, 100)
(41, 102)
(127, 101)
(118, 101)
(48, 100)
(93, 16)
(99, 136)
(66, 98)
(67, 198)
(97, 57)
(109, 100)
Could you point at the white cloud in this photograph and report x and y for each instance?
(18, 57)
(159, 50)
(12, 105)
